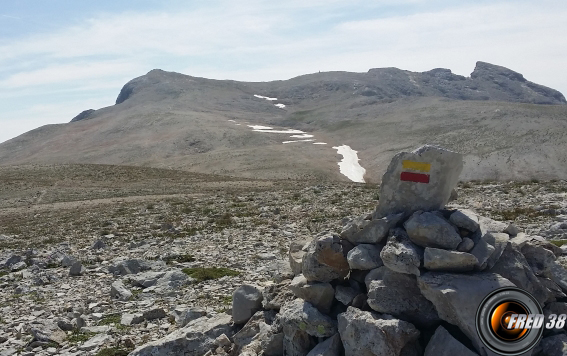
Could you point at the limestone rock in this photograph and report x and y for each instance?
(364, 257)
(440, 167)
(482, 251)
(95, 341)
(466, 245)
(398, 294)
(195, 339)
(297, 342)
(429, 230)
(304, 316)
(296, 252)
(450, 261)
(246, 300)
(77, 269)
(400, 254)
(325, 260)
(443, 344)
(345, 294)
(465, 219)
(456, 297)
(119, 291)
(276, 295)
(319, 294)
(555, 345)
(330, 347)
(375, 230)
(367, 333)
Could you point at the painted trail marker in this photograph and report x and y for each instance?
(419, 180)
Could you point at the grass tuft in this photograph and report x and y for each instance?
(205, 274)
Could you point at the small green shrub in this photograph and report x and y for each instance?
(208, 273)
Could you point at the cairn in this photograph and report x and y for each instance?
(405, 280)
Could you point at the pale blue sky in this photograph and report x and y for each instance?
(59, 57)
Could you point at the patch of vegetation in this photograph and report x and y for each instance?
(558, 243)
(110, 319)
(4, 273)
(179, 258)
(78, 336)
(224, 220)
(150, 206)
(518, 211)
(113, 351)
(226, 300)
(208, 273)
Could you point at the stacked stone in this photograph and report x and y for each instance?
(401, 281)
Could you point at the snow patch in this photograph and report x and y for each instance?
(297, 141)
(319, 143)
(281, 106)
(288, 131)
(349, 165)
(265, 97)
(302, 136)
(260, 127)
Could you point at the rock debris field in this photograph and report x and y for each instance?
(269, 268)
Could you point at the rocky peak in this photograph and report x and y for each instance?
(491, 71)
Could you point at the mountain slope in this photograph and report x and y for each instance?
(508, 127)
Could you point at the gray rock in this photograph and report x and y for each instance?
(443, 344)
(429, 230)
(442, 168)
(465, 219)
(512, 230)
(95, 341)
(539, 258)
(375, 230)
(161, 282)
(185, 316)
(195, 339)
(324, 260)
(466, 245)
(77, 269)
(319, 294)
(499, 241)
(98, 245)
(119, 291)
(65, 325)
(513, 266)
(398, 294)
(555, 345)
(18, 266)
(123, 266)
(156, 313)
(482, 251)
(304, 316)
(364, 257)
(146, 279)
(490, 225)
(456, 297)
(450, 261)
(131, 319)
(330, 347)
(68, 261)
(400, 254)
(276, 295)
(246, 300)
(258, 324)
(296, 342)
(557, 273)
(296, 252)
(345, 294)
(367, 333)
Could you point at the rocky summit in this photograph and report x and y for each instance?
(199, 266)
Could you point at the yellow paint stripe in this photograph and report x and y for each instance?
(418, 166)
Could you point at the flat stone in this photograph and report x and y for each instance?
(398, 294)
(441, 167)
(131, 319)
(94, 342)
(450, 261)
(364, 257)
(119, 291)
(375, 230)
(465, 219)
(429, 230)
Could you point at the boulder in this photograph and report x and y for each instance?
(330, 347)
(276, 295)
(427, 229)
(123, 266)
(499, 241)
(304, 316)
(155, 313)
(296, 252)
(375, 230)
(398, 294)
(185, 316)
(319, 294)
(456, 297)
(345, 294)
(450, 261)
(77, 269)
(419, 180)
(400, 254)
(466, 245)
(246, 300)
(513, 266)
(489, 225)
(119, 291)
(364, 257)
(324, 260)
(465, 219)
(482, 251)
(367, 333)
(297, 342)
(555, 345)
(259, 323)
(443, 344)
(195, 339)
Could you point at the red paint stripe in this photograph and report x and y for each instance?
(414, 177)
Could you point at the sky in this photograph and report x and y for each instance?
(60, 57)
